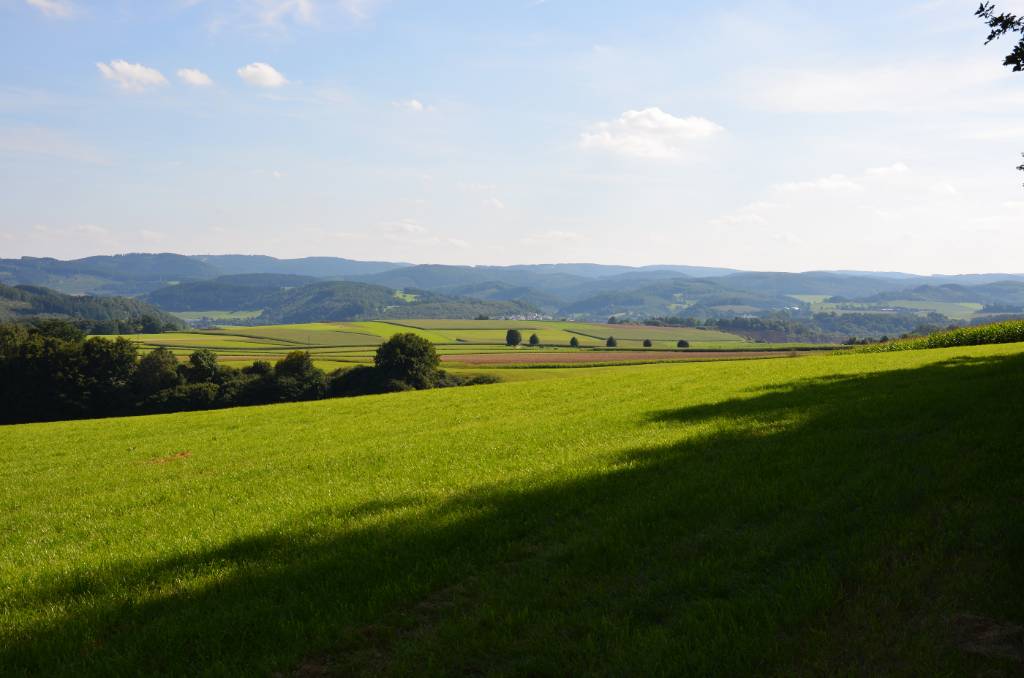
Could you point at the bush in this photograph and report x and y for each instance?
(682, 343)
(611, 342)
(648, 343)
(202, 366)
(513, 338)
(360, 380)
(534, 340)
(157, 371)
(574, 342)
(182, 397)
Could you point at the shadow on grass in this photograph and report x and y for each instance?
(831, 526)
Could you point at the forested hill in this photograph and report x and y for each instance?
(102, 315)
(338, 301)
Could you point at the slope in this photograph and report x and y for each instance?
(841, 515)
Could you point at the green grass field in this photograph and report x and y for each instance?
(855, 514)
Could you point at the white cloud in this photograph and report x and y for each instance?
(358, 8)
(131, 77)
(650, 133)
(274, 12)
(555, 237)
(262, 75)
(901, 88)
(833, 182)
(152, 236)
(892, 170)
(405, 227)
(494, 203)
(476, 187)
(194, 77)
(47, 142)
(277, 14)
(414, 105)
(60, 9)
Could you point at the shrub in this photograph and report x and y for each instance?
(202, 366)
(534, 340)
(513, 338)
(682, 343)
(611, 342)
(259, 367)
(648, 343)
(182, 397)
(157, 371)
(360, 380)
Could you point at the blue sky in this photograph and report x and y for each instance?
(767, 135)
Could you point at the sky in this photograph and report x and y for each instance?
(769, 135)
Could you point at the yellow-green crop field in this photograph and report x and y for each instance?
(336, 345)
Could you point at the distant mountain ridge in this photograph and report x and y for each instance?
(577, 290)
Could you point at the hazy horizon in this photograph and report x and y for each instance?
(772, 136)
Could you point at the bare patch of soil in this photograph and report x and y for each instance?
(171, 457)
(524, 358)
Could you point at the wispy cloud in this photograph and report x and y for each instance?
(262, 75)
(833, 182)
(892, 88)
(194, 77)
(278, 15)
(58, 9)
(414, 105)
(132, 77)
(648, 133)
(46, 142)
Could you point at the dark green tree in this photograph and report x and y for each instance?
(611, 343)
(513, 338)
(574, 342)
(648, 343)
(108, 369)
(408, 358)
(682, 343)
(534, 340)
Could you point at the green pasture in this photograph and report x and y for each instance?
(856, 514)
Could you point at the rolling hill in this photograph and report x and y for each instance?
(25, 302)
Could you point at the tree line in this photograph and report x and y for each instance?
(51, 371)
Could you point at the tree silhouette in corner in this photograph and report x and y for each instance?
(1000, 25)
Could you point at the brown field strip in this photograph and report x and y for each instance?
(511, 358)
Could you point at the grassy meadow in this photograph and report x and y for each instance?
(857, 514)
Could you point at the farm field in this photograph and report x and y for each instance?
(838, 514)
(335, 345)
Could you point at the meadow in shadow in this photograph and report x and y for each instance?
(832, 526)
